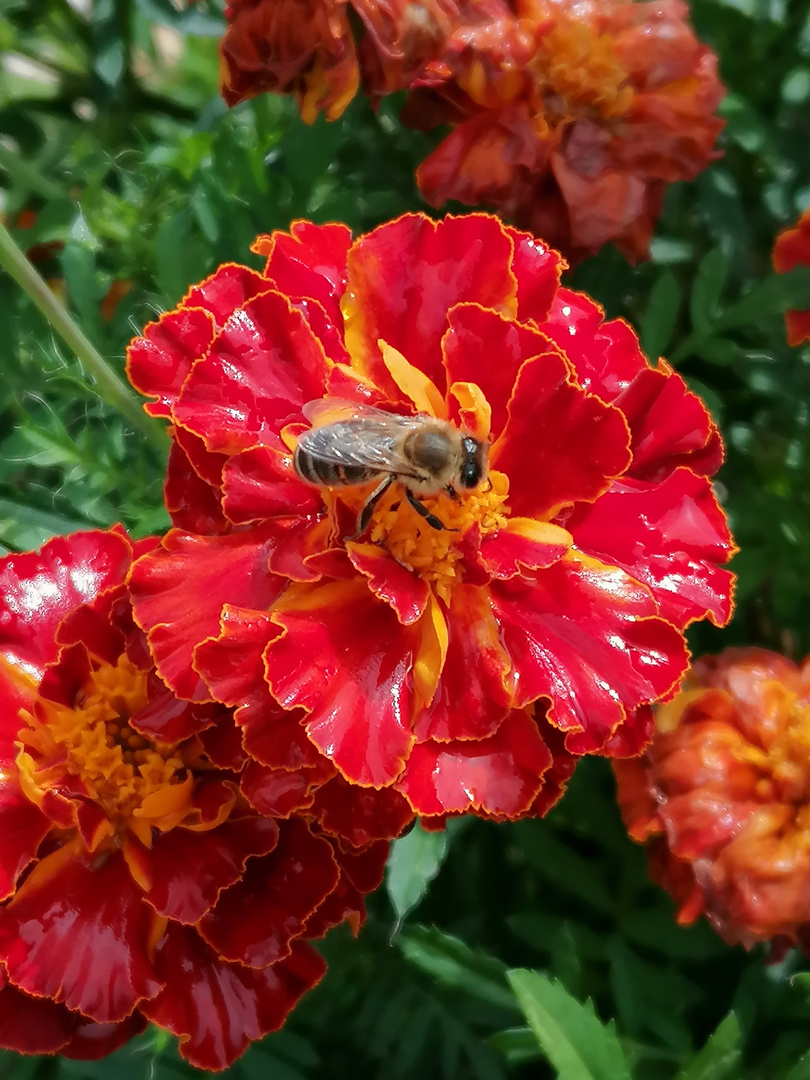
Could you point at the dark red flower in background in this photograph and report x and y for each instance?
(462, 666)
(137, 881)
(792, 249)
(309, 48)
(722, 797)
(570, 118)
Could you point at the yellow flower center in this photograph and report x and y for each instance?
(435, 554)
(118, 768)
(581, 67)
(785, 760)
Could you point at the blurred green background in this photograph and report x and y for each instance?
(126, 179)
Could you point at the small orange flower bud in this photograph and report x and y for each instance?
(722, 796)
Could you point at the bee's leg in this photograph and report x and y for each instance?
(451, 491)
(423, 511)
(364, 517)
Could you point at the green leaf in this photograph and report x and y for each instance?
(658, 321)
(454, 963)
(800, 1070)
(414, 862)
(575, 1041)
(79, 267)
(25, 528)
(719, 1057)
(517, 1045)
(706, 289)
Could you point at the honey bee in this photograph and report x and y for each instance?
(424, 454)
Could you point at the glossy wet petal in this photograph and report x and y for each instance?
(183, 873)
(405, 276)
(500, 775)
(360, 694)
(584, 441)
(159, 362)
(671, 536)
(262, 367)
(588, 638)
(215, 1008)
(77, 933)
(195, 576)
(255, 920)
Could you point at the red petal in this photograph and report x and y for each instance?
(798, 327)
(222, 743)
(281, 792)
(168, 719)
(500, 775)
(159, 362)
(361, 872)
(670, 536)
(38, 589)
(207, 465)
(31, 1025)
(471, 699)
(406, 275)
(310, 261)
(193, 504)
(79, 933)
(670, 426)
(228, 288)
(605, 363)
(23, 826)
(537, 269)
(523, 544)
(262, 367)
(360, 692)
(587, 638)
(584, 441)
(233, 667)
(217, 1009)
(179, 589)
(360, 815)
(184, 872)
(91, 1042)
(255, 921)
(262, 483)
(476, 335)
(404, 590)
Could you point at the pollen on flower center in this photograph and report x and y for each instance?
(582, 68)
(94, 743)
(435, 554)
(785, 762)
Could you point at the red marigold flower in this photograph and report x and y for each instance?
(722, 796)
(137, 880)
(571, 118)
(308, 47)
(792, 249)
(454, 664)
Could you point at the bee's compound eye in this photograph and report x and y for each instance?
(470, 474)
(473, 468)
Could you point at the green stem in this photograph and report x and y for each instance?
(109, 387)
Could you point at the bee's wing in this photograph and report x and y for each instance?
(369, 441)
(324, 411)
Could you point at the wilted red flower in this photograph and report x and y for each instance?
(792, 249)
(722, 795)
(308, 47)
(137, 882)
(447, 663)
(572, 117)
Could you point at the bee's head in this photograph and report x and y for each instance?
(474, 461)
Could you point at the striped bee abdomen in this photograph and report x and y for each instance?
(323, 473)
